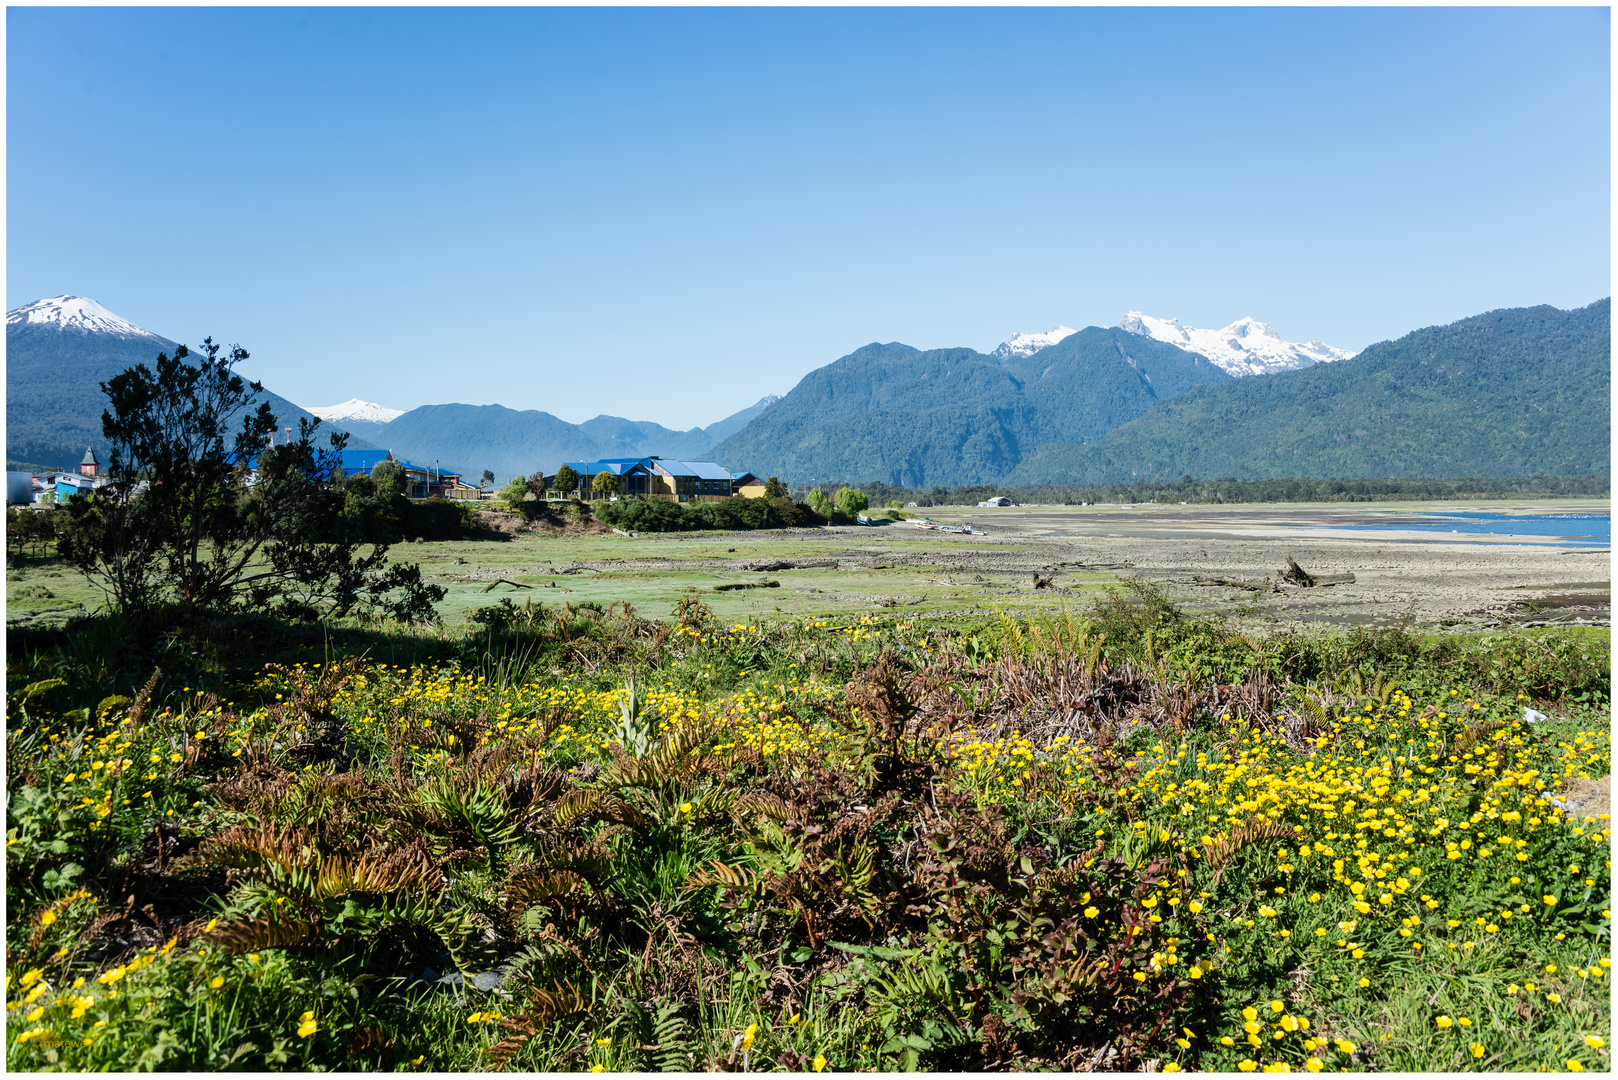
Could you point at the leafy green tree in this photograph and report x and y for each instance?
(566, 479)
(604, 483)
(374, 510)
(820, 504)
(774, 489)
(488, 479)
(851, 500)
(168, 519)
(201, 509)
(389, 477)
(320, 564)
(515, 491)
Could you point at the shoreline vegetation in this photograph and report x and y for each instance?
(1231, 490)
(564, 836)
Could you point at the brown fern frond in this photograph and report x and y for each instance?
(255, 790)
(668, 761)
(731, 877)
(761, 803)
(575, 804)
(544, 1007)
(582, 801)
(395, 874)
(252, 935)
(714, 801)
(535, 887)
(535, 785)
(246, 847)
(590, 861)
(1219, 853)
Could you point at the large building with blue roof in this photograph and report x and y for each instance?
(666, 478)
(421, 481)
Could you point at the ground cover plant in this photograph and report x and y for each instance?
(570, 837)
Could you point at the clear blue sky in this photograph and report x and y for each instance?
(665, 214)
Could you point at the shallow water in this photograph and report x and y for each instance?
(1571, 530)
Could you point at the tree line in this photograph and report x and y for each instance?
(1230, 490)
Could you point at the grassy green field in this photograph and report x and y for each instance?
(468, 568)
(789, 829)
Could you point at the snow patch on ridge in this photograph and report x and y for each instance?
(355, 409)
(1245, 347)
(78, 313)
(1018, 346)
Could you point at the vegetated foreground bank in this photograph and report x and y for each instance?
(580, 839)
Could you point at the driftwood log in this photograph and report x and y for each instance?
(1229, 583)
(1297, 575)
(505, 581)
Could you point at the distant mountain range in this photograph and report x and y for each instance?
(1510, 393)
(1515, 392)
(511, 442)
(59, 351)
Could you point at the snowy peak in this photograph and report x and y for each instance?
(77, 313)
(355, 410)
(1017, 346)
(1245, 347)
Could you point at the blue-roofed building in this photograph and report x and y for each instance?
(421, 481)
(356, 462)
(665, 478)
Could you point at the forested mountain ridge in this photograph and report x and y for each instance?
(54, 371)
(1512, 392)
(917, 418)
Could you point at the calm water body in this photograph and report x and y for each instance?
(1572, 530)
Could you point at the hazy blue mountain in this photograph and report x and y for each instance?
(471, 438)
(618, 437)
(1514, 392)
(721, 430)
(956, 416)
(58, 352)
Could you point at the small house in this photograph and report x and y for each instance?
(69, 485)
(665, 478)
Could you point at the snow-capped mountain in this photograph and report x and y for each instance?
(1245, 347)
(58, 353)
(1017, 346)
(78, 313)
(354, 409)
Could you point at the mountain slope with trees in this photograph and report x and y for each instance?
(53, 391)
(1513, 392)
(915, 418)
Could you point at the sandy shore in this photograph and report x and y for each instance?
(1473, 581)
